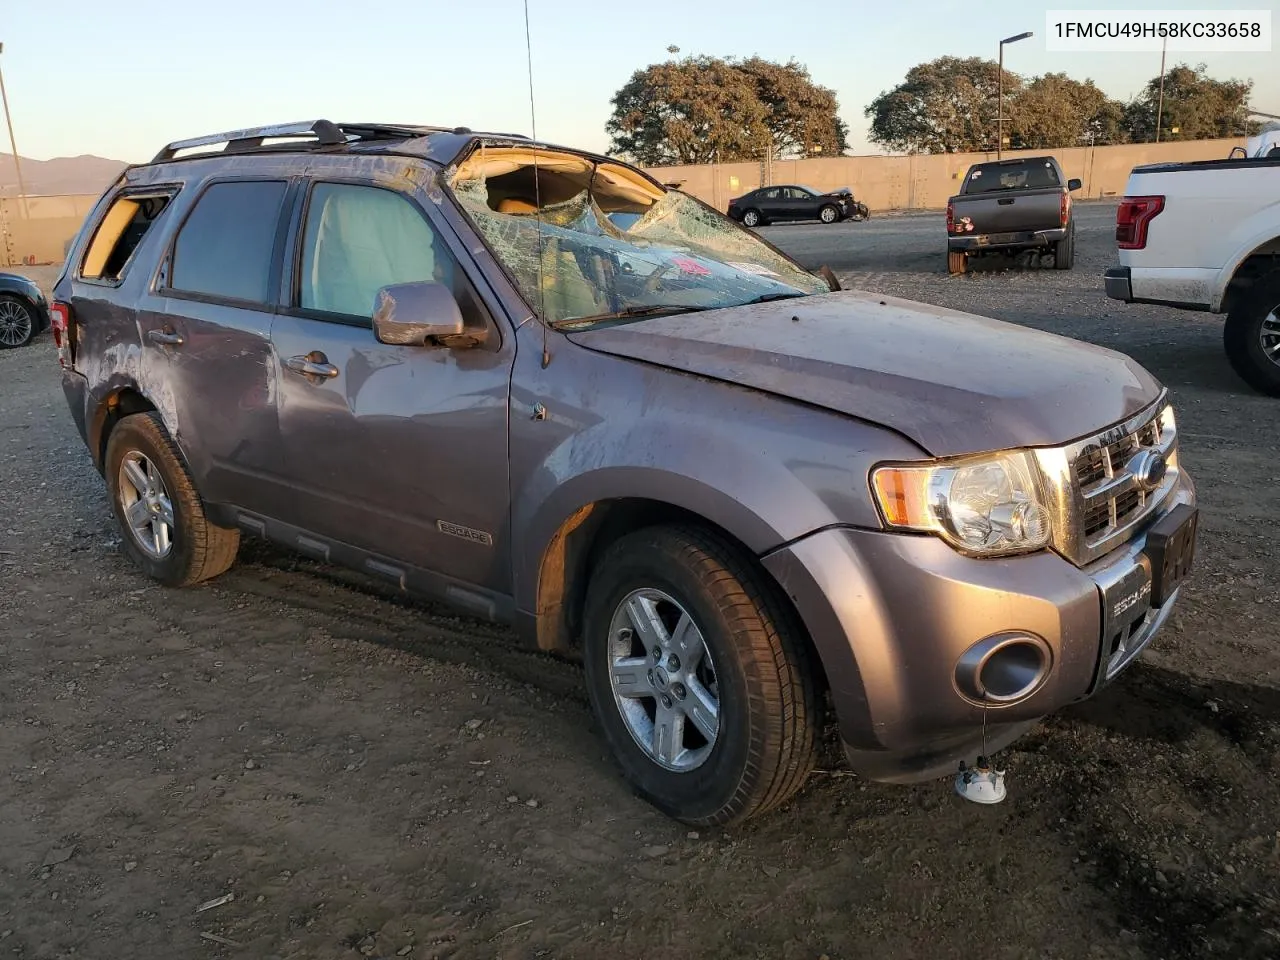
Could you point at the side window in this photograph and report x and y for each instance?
(772, 194)
(358, 239)
(118, 235)
(224, 249)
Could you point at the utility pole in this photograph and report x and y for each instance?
(1000, 95)
(1160, 102)
(13, 145)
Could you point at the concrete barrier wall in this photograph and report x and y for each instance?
(41, 231)
(883, 183)
(925, 182)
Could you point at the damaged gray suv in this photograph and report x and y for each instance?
(532, 383)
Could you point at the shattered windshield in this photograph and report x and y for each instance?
(587, 241)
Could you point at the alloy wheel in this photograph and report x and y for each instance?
(146, 505)
(16, 323)
(664, 681)
(1269, 335)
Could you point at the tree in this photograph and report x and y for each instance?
(710, 109)
(803, 117)
(1057, 111)
(943, 106)
(1199, 106)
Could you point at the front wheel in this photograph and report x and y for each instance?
(1252, 335)
(828, 214)
(699, 677)
(166, 532)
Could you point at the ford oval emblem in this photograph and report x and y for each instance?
(1151, 470)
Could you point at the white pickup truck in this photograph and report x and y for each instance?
(1206, 236)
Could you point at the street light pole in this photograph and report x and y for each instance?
(1000, 94)
(1160, 103)
(13, 145)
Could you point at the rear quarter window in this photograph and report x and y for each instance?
(224, 249)
(120, 233)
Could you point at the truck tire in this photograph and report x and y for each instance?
(161, 515)
(957, 261)
(683, 636)
(1251, 335)
(1064, 251)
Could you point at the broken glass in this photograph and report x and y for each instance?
(586, 241)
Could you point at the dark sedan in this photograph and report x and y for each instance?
(24, 312)
(791, 202)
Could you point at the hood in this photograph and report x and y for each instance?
(952, 382)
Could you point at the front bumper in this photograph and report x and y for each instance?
(974, 242)
(891, 616)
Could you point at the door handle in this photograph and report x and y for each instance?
(312, 365)
(166, 337)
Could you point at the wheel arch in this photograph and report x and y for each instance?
(1260, 258)
(569, 555)
(120, 401)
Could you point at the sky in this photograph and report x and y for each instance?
(122, 80)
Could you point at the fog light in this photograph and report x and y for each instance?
(1003, 669)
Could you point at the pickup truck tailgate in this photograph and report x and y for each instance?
(1024, 210)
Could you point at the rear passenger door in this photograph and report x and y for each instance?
(400, 451)
(206, 339)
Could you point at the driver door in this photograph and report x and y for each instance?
(399, 451)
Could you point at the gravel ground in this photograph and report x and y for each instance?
(366, 776)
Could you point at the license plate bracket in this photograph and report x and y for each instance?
(1171, 546)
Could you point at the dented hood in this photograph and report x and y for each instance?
(952, 382)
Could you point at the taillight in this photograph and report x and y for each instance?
(1064, 208)
(951, 216)
(60, 320)
(1132, 218)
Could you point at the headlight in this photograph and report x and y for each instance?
(992, 505)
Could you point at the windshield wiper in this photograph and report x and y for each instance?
(769, 297)
(646, 311)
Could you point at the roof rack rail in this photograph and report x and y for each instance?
(325, 133)
(313, 133)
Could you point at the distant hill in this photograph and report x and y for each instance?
(83, 174)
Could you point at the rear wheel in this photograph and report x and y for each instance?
(698, 676)
(1252, 335)
(166, 532)
(17, 322)
(957, 261)
(751, 218)
(828, 214)
(1064, 251)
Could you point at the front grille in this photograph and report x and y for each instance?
(1106, 499)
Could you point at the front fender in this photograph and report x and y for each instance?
(763, 469)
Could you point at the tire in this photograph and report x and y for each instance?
(1064, 251)
(752, 218)
(195, 549)
(17, 322)
(829, 214)
(768, 714)
(1253, 319)
(957, 261)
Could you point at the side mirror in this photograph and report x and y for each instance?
(414, 314)
(1074, 184)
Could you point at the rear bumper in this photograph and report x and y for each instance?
(973, 242)
(892, 616)
(76, 389)
(1118, 284)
